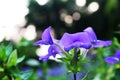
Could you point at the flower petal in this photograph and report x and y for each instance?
(46, 38)
(91, 33)
(101, 43)
(80, 39)
(117, 54)
(77, 45)
(53, 50)
(46, 35)
(41, 42)
(111, 60)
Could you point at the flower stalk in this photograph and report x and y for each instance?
(63, 51)
(75, 58)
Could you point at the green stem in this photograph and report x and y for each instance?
(63, 51)
(74, 76)
(75, 58)
(44, 70)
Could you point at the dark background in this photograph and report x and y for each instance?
(105, 21)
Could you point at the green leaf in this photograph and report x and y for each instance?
(117, 32)
(32, 62)
(9, 49)
(5, 78)
(71, 52)
(12, 60)
(1, 69)
(70, 67)
(116, 42)
(64, 59)
(3, 56)
(26, 74)
(18, 78)
(20, 59)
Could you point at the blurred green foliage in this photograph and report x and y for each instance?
(9, 60)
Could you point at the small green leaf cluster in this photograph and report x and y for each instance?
(8, 64)
(70, 62)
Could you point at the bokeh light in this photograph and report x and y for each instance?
(12, 18)
(63, 13)
(93, 7)
(42, 2)
(76, 16)
(12, 13)
(80, 3)
(30, 32)
(10, 33)
(68, 19)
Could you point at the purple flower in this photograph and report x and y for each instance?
(68, 41)
(96, 43)
(46, 38)
(117, 54)
(52, 51)
(84, 39)
(113, 59)
(77, 40)
(39, 73)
